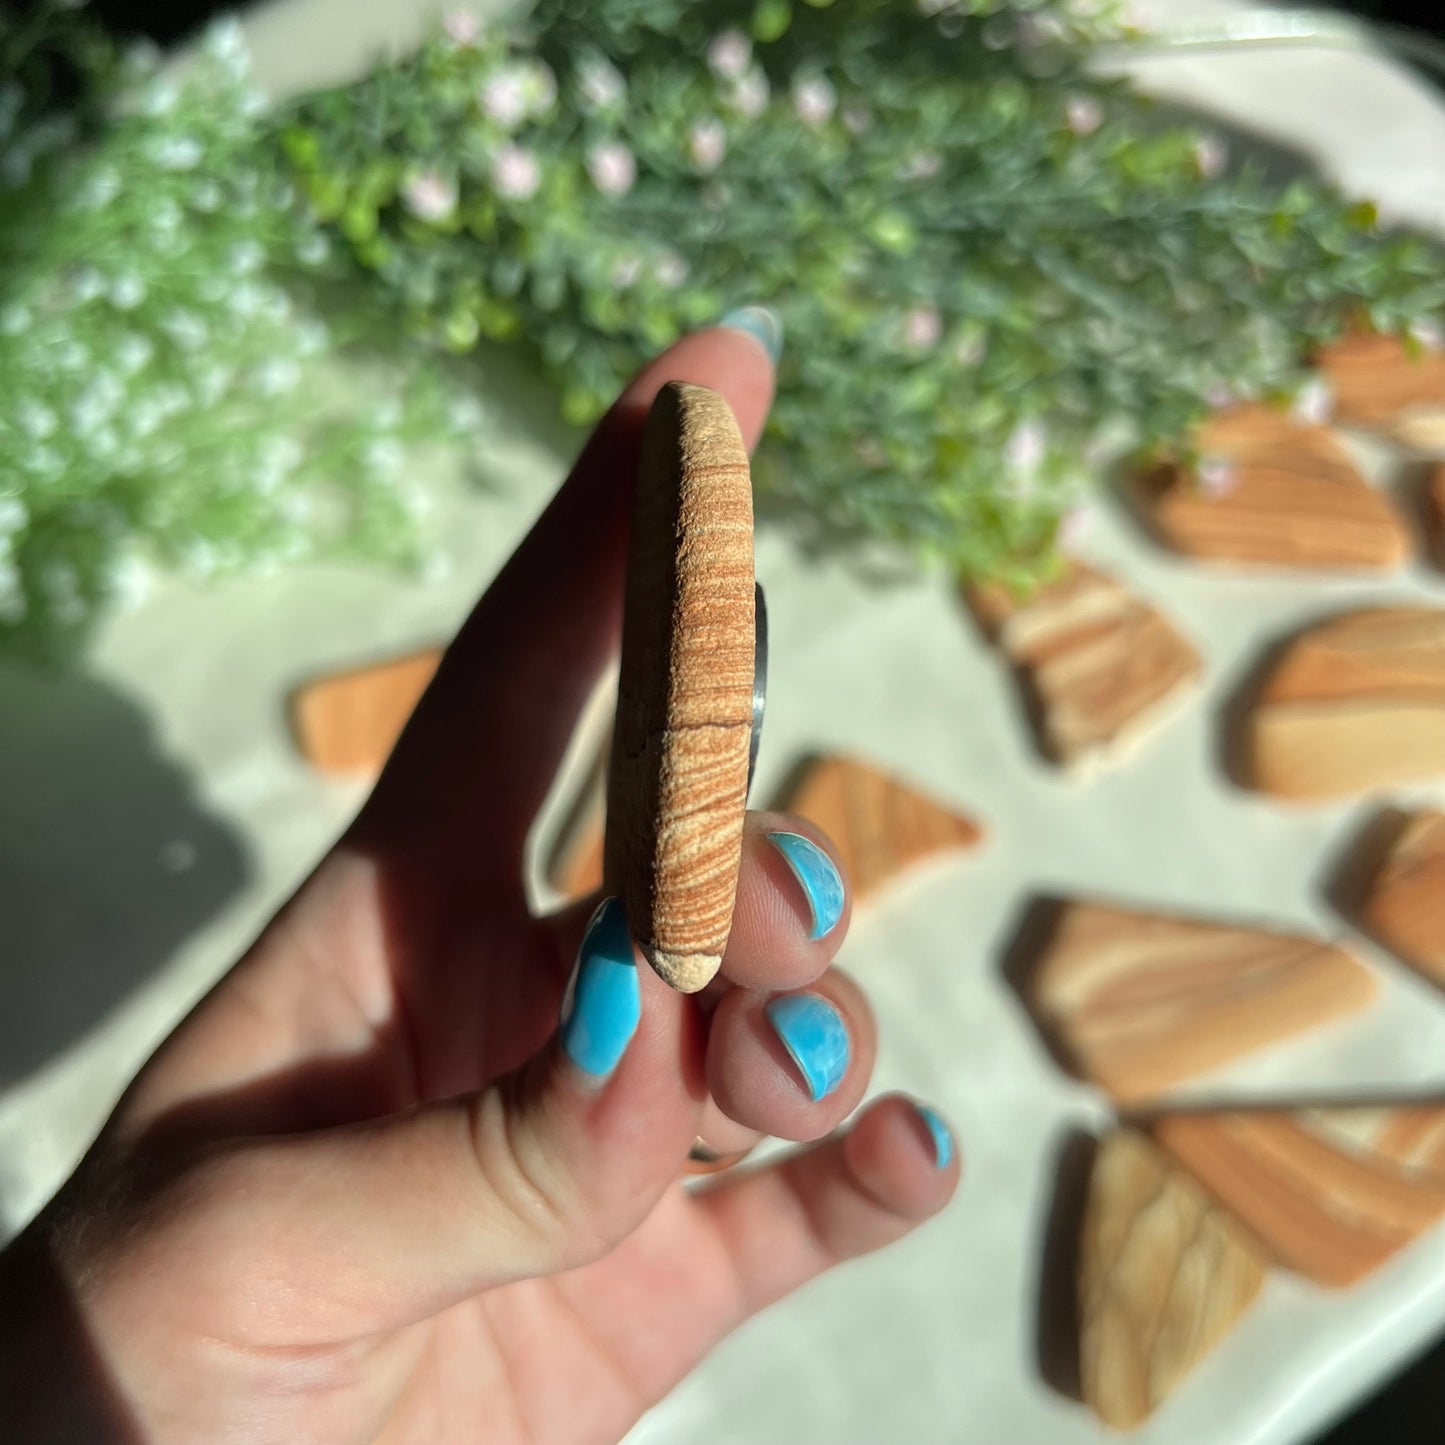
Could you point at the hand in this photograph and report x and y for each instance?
(369, 1190)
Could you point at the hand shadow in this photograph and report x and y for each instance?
(107, 860)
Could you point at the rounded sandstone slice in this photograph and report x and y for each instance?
(1353, 704)
(677, 783)
(1405, 903)
(1378, 383)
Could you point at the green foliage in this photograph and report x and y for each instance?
(161, 398)
(994, 272)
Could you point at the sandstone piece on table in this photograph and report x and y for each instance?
(1272, 490)
(1140, 1002)
(1404, 904)
(1354, 703)
(1330, 1193)
(1101, 667)
(1376, 382)
(880, 825)
(1163, 1276)
(677, 782)
(348, 722)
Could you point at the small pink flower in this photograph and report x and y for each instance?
(1217, 476)
(1211, 155)
(462, 27)
(612, 167)
(1025, 448)
(1313, 402)
(1074, 528)
(626, 269)
(922, 327)
(1219, 396)
(920, 166)
(430, 196)
(729, 54)
(857, 117)
(814, 99)
(750, 94)
(515, 173)
(503, 97)
(707, 144)
(1083, 114)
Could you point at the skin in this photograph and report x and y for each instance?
(361, 1194)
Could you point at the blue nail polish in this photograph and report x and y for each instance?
(816, 1038)
(816, 871)
(604, 1004)
(761, 324)
(939, 1132)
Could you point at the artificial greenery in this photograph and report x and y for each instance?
(163, 388)
(994, 271)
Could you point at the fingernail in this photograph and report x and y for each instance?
(938, 1131)
(604, 1003)
(817, 873)
(761, 323)
(816, 1038)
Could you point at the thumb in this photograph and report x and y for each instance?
(548, 1168)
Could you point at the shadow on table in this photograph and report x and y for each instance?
(107, 860)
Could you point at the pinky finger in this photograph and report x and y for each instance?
(783, 1225)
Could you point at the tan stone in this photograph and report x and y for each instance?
(1331, 1193)
(880, 826)
(1353, 704)
(1377, 383)
(1140, 1002)
(1292, 499)
(677, 783)
(1404, 904)
(348, 722)
(1101, 667)
(1163, 1276)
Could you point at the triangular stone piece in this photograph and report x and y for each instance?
(1353, 704)
(1101, 667)
(1376, 382)
(1140, 1002)
(1331, 1193)
(348, 722)
(881, 826)
(1273, 491)
(1163, 1276)
(1404, 904)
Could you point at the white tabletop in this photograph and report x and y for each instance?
(155, 814)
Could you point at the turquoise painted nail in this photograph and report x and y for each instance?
(816, 1038)
(604, 1004)
(816, 871)
(761, 324)
(939, 1132)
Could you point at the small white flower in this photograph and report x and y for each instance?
(1211, 155)
(13, 516)
(131, 580)
(165, 221)
(36, 419)
(750, 93)
(541, 87)
(1034, 31)
(127, 291)
(97, 403)
(516, 174)
(462, 27)
(213, 383)
(503, 97)
(160, 97)
(43, 462)
(133, 352)
(970, 349)
(921, 166)
(933, 7)
(670, 270)
(313, 250)
(729, 53)
(922, 327)
(279, 457)
(1083, 114)
(430, 196)
(626, 269)
(383, 456)
(466, 414)
(1314, 402)
(247, 257)
(226, 42)
(814, 99)
(206, 197)
(86, 285)
(612, 167)
(1217, 476)
(1429, 333)
(857, 118)
(177, 153)
(185, 328)
(14, 319)
(1025, 448)
(707, 144)
(1219, 395)
(312, 337)
(601, 83)
(276, 376)
(100, 189)
(1074, 528)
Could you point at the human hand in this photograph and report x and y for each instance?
(370, 1190)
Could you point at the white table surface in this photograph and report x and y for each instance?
(155, 814)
